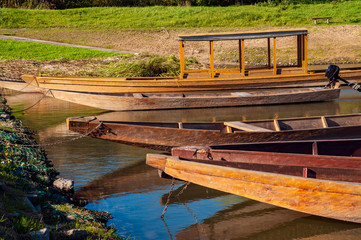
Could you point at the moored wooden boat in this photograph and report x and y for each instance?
(175, 84)
(138, 101)
(242, 77)
(165, 135)
(332, 190)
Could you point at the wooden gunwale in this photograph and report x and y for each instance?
(163, 136)
(332, 199)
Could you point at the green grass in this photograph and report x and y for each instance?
(38, 51)
(347, 12)
(153, 67)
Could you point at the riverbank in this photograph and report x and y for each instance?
(34, 202)
(327, 44)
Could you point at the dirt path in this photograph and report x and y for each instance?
(24, 39)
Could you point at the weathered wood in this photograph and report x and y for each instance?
(332, 199)
(140, 101)
(163, 136)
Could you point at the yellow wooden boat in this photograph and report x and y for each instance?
(213, 79)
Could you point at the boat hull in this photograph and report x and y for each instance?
(182, 101)
(331, 199)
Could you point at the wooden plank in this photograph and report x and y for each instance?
(324, 122)
(277, 125)
(246, 127)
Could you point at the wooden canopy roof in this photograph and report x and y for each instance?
(241, 36)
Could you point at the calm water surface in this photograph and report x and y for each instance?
(116, 179)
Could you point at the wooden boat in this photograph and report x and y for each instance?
(152, 101)
(315, 186)
(243, 77)
(165, 135)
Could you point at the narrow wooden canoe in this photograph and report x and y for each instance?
(165, 135)
(153, 101)
(175, 84)
(327, 198)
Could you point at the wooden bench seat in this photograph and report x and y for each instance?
(317, 18)
(246, 127)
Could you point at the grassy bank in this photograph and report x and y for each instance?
(38, 51)
(29, 201)
(347, 12)
(44, 59)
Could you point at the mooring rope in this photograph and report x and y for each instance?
(26, 86)
(58, 142)
(34, 103)
(169, 195)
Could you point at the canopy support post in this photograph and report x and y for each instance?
(269, 52)
(274, 57)
(304, 62)
(242, 58)
(181, 59)
(211, 59)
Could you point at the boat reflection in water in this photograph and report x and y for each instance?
(116, 178)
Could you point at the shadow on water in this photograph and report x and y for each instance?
(136, 178)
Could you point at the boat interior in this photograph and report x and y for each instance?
(347, 147)
(258, 125)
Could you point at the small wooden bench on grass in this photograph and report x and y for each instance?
(316, 18)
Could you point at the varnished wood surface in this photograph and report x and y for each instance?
(332, 199)
(163, 136)
(137, 101)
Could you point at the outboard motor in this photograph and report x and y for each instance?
(332, 75)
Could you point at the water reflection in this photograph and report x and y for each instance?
(116, 179)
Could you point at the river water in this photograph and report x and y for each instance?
(116, 179)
